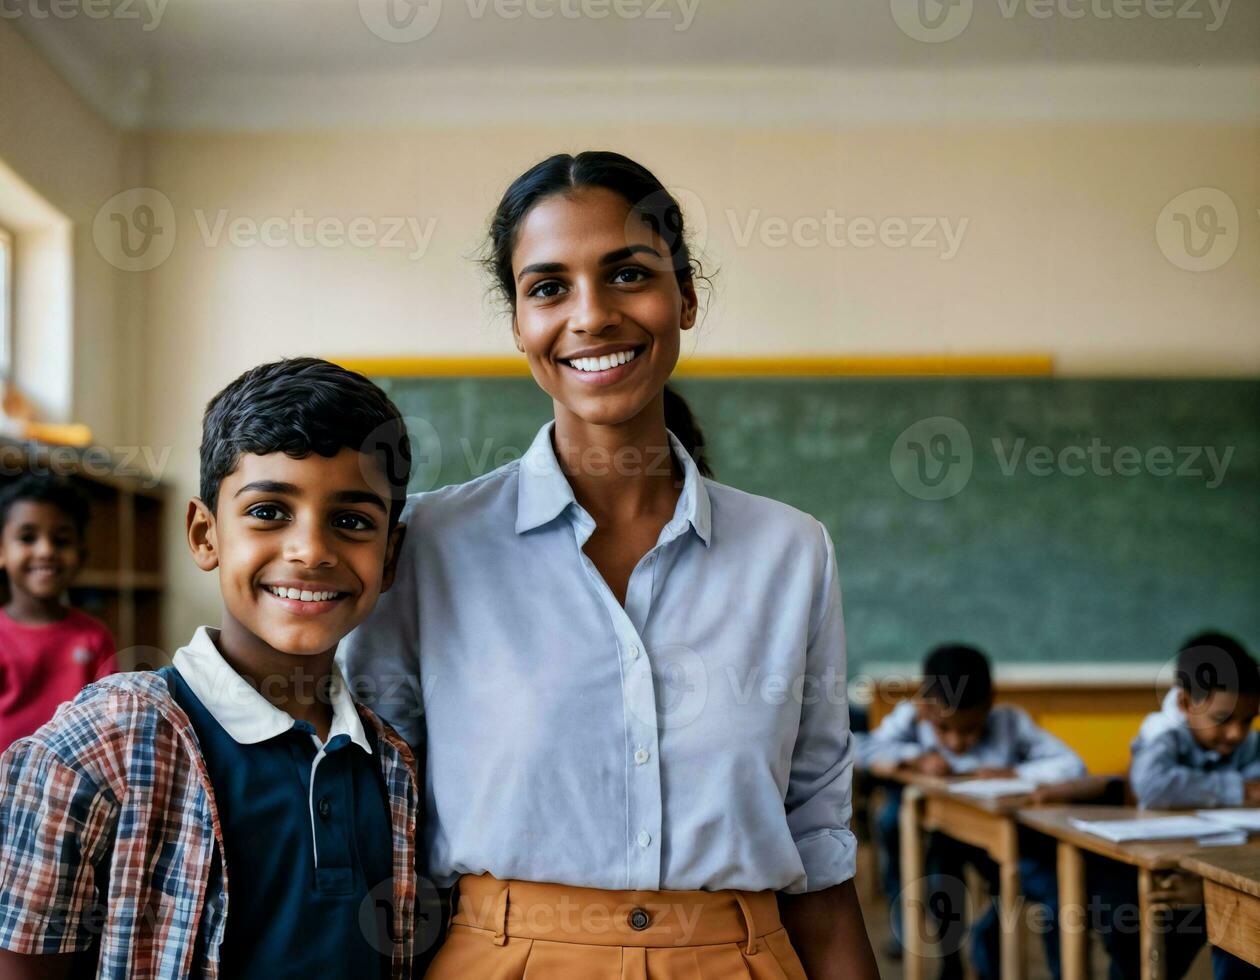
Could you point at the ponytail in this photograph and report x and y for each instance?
(680, 421)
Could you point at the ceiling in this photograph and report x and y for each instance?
(216, 63)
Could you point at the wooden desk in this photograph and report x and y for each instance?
(1162, 884)
(927, 804)
(1231, 892)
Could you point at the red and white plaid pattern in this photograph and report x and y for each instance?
(108, 829)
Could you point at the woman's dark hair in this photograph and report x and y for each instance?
(648, 198)
(300, 406)
(682, 423)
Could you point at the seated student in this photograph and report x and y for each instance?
(1199, 750)
(48, 651)
(954, 728)
(237, 814)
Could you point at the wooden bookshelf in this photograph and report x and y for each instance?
(122, 582)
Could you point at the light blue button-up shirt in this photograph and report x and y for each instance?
(1011, 740)
(697, 738)
(1170, 769)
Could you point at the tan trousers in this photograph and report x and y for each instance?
(520, 930)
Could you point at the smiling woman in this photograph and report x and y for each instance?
(588, 746)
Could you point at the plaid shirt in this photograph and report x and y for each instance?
(108, 828)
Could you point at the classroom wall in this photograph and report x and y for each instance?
(75, 161)
(1058, 253)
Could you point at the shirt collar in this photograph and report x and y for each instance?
(244, 713)
(543, 492)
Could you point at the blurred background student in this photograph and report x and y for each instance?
(955, 729)
(48, 651)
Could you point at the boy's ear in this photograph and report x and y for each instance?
(203, 540)
(393, 548)
(1183, 700)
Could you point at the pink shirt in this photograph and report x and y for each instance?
(42, 666)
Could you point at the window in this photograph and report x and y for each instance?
(6, 302)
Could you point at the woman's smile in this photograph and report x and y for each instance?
(604, 365)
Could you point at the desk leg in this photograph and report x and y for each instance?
(913, 885)
(1011, 905)
(1152, 927)
(1073, 937)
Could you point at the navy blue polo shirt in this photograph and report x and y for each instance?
(309, 848)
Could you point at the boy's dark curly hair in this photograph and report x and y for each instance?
(299, 406)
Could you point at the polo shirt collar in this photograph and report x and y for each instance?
(242, 712)
(543, 492)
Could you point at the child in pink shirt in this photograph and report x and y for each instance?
(48, 651)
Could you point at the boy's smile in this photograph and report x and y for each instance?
(303, 549)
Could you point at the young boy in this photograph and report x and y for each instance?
(238, 814)
(48, 651)
(954, 728)
(1198, 751)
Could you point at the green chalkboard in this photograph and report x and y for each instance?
(1060, 521)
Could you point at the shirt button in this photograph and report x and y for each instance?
(644, 838)
(633, 652)
(325, 808)
(641, 756)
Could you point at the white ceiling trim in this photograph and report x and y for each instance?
(721, 97)
(757, 97)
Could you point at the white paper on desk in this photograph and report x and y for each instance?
(1152, 828)
(1228, 838)
(992, 788)
(1234, 817)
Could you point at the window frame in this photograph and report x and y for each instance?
(8, 300)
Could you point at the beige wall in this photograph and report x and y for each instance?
(75, 161)
(1057, 252)
(1058, 255)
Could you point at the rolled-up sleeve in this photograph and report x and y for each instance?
(55, 825)
(820, 789)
